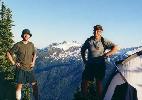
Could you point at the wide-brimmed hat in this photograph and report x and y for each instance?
(26, 31)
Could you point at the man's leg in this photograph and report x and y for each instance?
(35, 90)
(84, 87)
(18, 91)
(99, 88)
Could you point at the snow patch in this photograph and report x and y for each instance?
(67, 45)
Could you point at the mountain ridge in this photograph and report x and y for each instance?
(59, 70)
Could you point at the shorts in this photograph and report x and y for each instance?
(94, 69)
(24, 77)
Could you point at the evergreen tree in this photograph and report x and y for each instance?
(6, 73)
(5, 40)
(92, 95)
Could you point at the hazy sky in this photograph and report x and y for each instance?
(73, 20)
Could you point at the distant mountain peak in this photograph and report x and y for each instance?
(66, 45)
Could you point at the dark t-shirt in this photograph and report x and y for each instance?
(24, 54)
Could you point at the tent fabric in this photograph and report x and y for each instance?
(113, 80)
(116, 80)
(125, 92)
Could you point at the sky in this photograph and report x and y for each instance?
(53, 21)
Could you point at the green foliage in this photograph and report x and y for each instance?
(7, 88)
(7, 85)
(27, 92)
(6, 40)
(92, 95)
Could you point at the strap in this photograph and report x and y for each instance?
(122, 76)
(103, 42)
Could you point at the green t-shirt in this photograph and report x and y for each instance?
(24, 54)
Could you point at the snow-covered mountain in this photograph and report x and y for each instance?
(59, 67)
(62, 50)
(58, 70)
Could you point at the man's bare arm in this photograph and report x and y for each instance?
(9, 56)
(112, 51)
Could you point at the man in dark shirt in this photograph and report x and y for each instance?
(25, 54)
(95, 62)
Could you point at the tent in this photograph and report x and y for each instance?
(128, 71)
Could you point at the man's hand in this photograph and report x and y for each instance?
(17, 64)
(13, 63)
(111, 52)
(108, 54)
(32, 64)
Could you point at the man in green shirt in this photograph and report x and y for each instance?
(95, 62)
(25, 56)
